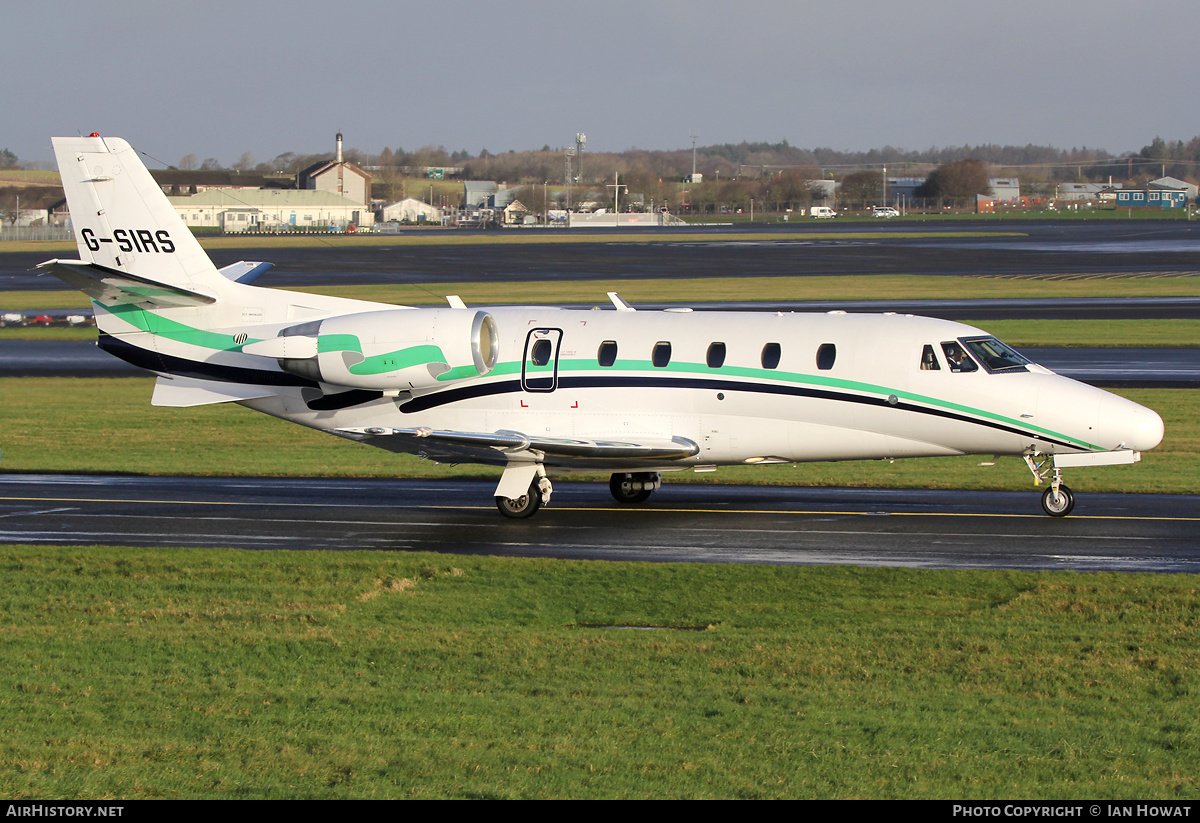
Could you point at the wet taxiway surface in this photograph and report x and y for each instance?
(694, 523)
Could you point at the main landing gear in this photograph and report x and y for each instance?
(627, 487)
(634, 487)
(511, 501)
(523, 506)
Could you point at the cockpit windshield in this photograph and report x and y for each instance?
(994, 355)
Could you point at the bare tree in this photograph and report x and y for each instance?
(862, 188)
(959, 181)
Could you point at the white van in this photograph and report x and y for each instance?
(822, 211)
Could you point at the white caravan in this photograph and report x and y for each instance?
(541, 389)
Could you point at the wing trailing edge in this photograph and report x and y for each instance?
(182, 392)
(511, 442)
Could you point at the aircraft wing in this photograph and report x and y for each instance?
(111, 286)
(511, 442)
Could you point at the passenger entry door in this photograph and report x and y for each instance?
(539, 368)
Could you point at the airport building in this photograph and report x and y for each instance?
(1151, 197)
(331, 194)
(337, 176)
(409, 210)
(270, 210)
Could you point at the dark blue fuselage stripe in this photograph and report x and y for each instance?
(169, 364)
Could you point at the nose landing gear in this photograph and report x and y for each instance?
(1058, 502)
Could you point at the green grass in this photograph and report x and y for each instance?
(108, 426)
(147, 673)
(1100, 333)
(84, 332)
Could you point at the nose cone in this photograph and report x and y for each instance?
(1125, 424)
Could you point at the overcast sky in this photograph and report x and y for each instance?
(218, 78)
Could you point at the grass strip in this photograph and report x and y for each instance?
(422, 237)
(102, 426)
(715, 289)
(156, 673)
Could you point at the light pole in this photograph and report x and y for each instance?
(580, 143)
(570, 154)
(616, 186)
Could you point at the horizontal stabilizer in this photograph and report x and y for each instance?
(512, 442)
(244, 271)
(111, 287)
(187, 391)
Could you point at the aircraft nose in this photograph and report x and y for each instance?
(1128, 424)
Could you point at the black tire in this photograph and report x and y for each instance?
(621, 487)
(1060, 506)
(521, 507)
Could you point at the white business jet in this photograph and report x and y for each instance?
(542, 389)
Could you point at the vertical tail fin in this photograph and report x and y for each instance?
(122, 219)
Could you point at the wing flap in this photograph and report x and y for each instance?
(510, 442)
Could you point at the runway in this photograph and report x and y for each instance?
(682, 523)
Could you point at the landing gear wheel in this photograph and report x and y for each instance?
(1059, 505)
(632, 488)
(520, 507)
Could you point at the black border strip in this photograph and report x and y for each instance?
(158, 362)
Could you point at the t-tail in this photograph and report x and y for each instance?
(134, 248)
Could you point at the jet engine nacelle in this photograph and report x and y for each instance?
(390, 349)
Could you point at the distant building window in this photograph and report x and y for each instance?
(716, 355)
(662, 354)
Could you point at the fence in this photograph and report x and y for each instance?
(12, 233)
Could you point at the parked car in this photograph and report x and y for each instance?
(885, 211)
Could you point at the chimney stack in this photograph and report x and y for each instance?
(339, 147)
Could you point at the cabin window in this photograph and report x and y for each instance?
(662, 354)
(929, 361)
(539, 353)
(716, 355)
(770, 356)
(995, 356)
(607, 355)
(826, 354)
(957, 358)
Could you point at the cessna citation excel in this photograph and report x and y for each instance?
(540, 389)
